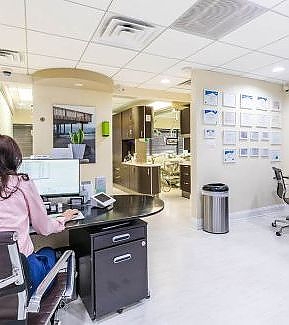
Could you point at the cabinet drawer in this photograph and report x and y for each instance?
(118, 237)
(186, 186)
(120, 276)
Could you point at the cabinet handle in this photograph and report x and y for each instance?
(122, 258)
(119, 238)
(186, 183)
(148, 172)
(141, 133)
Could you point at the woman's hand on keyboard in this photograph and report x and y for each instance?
(69, 214)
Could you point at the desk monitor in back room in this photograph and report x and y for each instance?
(53, 177)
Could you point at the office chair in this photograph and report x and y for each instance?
(281, 192)
(41, 308)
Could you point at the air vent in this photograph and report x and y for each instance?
(11, 57)
(126, 32)
(214, 19)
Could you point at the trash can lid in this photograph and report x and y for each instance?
(216, 187)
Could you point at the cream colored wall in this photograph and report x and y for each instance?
(249, 179)
(43, 99)
(6, 126)
(285, 134)
(22, 116)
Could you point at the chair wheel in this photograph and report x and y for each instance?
(119, 311)
(278, 233)
(274, 224)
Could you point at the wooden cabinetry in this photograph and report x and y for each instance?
(185, 121)
(185, 180)
(116, 147)
(137, 123)
(141, 179)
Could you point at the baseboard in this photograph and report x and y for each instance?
(197, 223)
(260, 211)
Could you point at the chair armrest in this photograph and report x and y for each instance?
(62, 263)
(287, 177)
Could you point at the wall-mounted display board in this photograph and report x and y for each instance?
(254, 136)
(254, 152)
(275, 155)
(230, 155)
(243, 152)
(247, 101)
(229, 137)
(276, 121)
(276, 138)
(211, 97)
(262, 120)
(264, 136)
(243, 135)
(229, 100)
(210, 116)
(264, 152)
(276, 105)
(246, 119)
(262, 102)
(229, 118)
(210, 133)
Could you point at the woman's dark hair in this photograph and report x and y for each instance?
(10, 160)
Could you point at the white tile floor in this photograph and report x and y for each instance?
(198, 278)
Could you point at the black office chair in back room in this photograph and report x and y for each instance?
(41, 308)
(281, 192)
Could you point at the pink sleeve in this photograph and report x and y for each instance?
(41, 223)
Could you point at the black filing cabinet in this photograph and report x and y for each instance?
(112, 266)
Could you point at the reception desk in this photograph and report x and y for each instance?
(111, 252)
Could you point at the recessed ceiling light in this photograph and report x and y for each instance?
(78, 84)
(160, 105)
(165, 81)
(278, 69)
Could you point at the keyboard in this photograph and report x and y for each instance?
(78, 216)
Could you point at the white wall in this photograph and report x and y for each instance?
(249, 179)
(43, 99)
(6, 126)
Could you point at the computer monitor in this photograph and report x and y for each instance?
(53, 177)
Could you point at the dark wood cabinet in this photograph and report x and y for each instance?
(137, 123)
(185, 121)
(185, 180)
(116, 147)
(141, 179)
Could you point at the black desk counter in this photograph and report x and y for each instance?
(126, 207)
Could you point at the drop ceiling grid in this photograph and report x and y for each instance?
(87, 5)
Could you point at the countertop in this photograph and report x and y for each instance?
(186, 163)
(141, 164)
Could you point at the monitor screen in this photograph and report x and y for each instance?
(53, 177)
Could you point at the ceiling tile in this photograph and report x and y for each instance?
(107, 55)
(12, 13)
(180, 90)
(283, 8)
(51, 45)
(268, 70)
(99, 4)
(174, 44)
(134, 76)
(267, 3)
(183, 69)
(12, 38)
(151, 63)
(279, 48)
(160, 12)
(103, 69)
(45, 62)
(251, 61)
(62, 18)
(217, 54)
(261, 31)
(156, 82)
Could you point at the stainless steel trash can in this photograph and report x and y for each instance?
(215, 206)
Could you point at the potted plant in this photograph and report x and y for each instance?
(77, 145)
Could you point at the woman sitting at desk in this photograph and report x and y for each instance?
(20, 206)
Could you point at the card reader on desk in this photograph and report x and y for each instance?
(101, 200)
